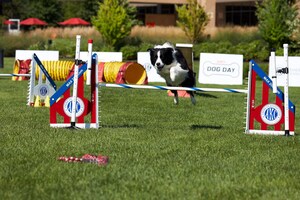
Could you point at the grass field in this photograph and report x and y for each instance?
(156, 150)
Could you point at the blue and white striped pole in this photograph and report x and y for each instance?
(127, 86)
(10, 75)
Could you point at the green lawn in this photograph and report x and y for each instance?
(156, 150)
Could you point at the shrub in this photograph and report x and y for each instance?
(192, 18)
(159, 34)
(212, 47)
(114, 21)
(236, 34)
(252, 50)
(277, 21)
(65, 46)
(145, 46)
(11, 43)
(129, 52)
(256, 49)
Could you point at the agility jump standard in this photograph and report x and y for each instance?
(41, 91)
(268, 118)
(73, 109)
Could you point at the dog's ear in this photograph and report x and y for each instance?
(150, 49)
(170, 49)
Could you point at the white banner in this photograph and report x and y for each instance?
(143, 58)
(222, 69)
(294, 71)
(103, 56)
(41, 54)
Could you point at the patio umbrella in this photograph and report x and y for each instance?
(7, 22)
(74, 22)
(32, 22)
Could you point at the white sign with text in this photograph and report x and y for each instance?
(143, 58)
(222, 69)
(294, 71)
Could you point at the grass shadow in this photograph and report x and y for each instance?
(121, 126)
(206, 95)
(197, 126)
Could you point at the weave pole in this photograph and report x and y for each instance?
(150, 87)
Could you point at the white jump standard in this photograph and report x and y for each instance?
(41, 90)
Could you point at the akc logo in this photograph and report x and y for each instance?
(43, 90)
(271, 114)
(68, 107)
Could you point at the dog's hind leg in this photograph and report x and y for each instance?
(175, 96)
(193, 99)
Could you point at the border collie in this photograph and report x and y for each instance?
(170, 64)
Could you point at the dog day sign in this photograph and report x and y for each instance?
(221, 69)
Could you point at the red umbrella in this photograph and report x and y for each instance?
(7, 22)
(32, 22)
(74, 22)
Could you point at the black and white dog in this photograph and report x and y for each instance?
(170, 64)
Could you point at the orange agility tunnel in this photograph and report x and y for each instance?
(122, 72)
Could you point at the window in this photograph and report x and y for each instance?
(241, 15)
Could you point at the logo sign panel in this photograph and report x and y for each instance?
(68, 107)
(143, 58)
(271, 114)
(43, 90)
(222, 69)
(294, 71)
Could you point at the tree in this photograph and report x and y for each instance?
(51, 11)
(192, 18)
(84, 9)
(277, 21)
(114, 21)
(15, 9)
(48, 10)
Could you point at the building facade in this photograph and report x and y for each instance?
(221, 12)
